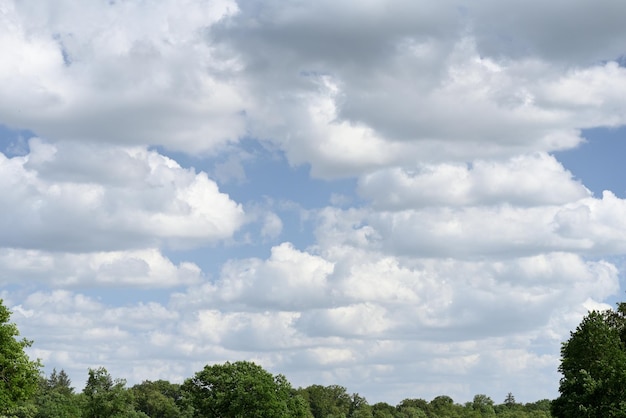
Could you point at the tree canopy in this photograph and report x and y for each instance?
(19, 375)
(593, 364)
(242, 389)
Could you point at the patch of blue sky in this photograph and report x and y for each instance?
(14, 142)
(599, 163)
(125, 296)
(263, 180)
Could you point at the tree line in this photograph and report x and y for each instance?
(239, 390)
(593, 365)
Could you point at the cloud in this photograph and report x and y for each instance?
(120, 74)
(416, 95)
(88, 197)
(589, 225)
(137, 268)
(520, 28)
(288, 280)
(524, 180)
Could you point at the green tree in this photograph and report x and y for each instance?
(160, 399)
(242, 390)
(383, 410)
(414, 408)
(359, 408)
(444, 406)
(107, 398)
(593, 364)
(56, 397)
(484, 405)
(19, 376)
(509, 401)
(328, 401)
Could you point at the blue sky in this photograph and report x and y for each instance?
(405, 198)
(597, 162)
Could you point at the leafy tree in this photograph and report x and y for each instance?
(242, 389)
(56, 397)
(414, 408)
(484, 405)
(327, 401)
(359, 408)
(107, 398)
(593, 364)
(443, 406)
(541, 407)
(383, 410)
(19, 376)
(160, 399)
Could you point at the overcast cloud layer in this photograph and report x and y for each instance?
(460, 259)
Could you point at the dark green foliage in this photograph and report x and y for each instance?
(593, 364)
(242, 390)
(383, 410)
(19, 376)
(414, 408)
(359, 408)
(160, 399)
(444, 406)
(107, 398)
(509, 401)
(327, 401)
(56, 398)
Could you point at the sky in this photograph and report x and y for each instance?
(407, 198)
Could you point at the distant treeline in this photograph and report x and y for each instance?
(241, 390)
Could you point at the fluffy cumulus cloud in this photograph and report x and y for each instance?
(120, 72)
(438, 245)
(81, 197)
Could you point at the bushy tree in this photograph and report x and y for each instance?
(19, 376)
(444, 406)
(242, 390)
(107, 398)
(56, 397)
(383, 410)
(327, 401)
(593, 364)
(160, 399)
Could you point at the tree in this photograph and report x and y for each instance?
(160, 399)
(443, 406)
(56, 397)
(414, 408)
(483, 404)
(242, 389)
(593, 364)
(509, 401)
(383, 410)
(328, 401)
(19, 376)
(107, 398)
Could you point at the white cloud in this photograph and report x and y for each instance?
(136, 268)
(88, 197)
(589, 225)
(524, 180)
(119, 73)
(288, 280)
